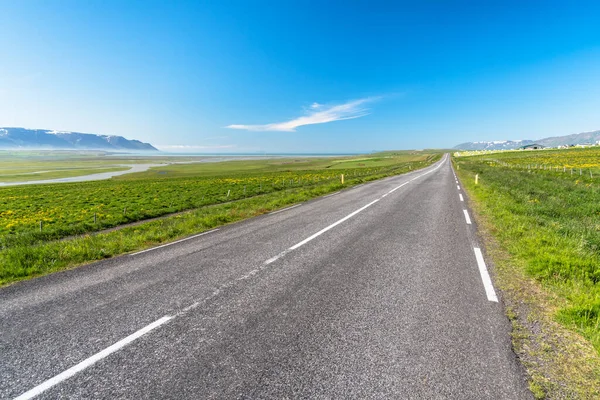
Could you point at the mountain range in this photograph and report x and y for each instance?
(21, 138)
(555, 141)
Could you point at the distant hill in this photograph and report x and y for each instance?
(495, 145)
(21, 138)
(579, 138)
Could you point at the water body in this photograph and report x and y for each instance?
(92, 177)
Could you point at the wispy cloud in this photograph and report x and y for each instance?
(318, 114)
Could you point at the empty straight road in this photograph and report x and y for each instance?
(379, 291)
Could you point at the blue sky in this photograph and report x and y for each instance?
(307, 76)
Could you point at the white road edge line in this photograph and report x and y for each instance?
(485, 276)
(91, 360)
(177, 241)
(461, 198)
(467, 217)
(285, 209)
(329, 195)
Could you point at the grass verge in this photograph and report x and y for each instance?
(539, 235)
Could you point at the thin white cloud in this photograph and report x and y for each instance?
(318, 115)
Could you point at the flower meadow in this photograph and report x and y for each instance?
(33, 213)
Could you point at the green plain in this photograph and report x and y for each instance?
(46, 228)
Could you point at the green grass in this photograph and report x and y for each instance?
(68, 209)
(552, 222)
(585, 159)
(546, 223)
(20, 166)
(74, 208)
(8, 176)
(23, 262)
(272, 165)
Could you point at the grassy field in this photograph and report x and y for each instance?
(547, 222)
(37, 222)
(18, 166)
(10, 176)
(270, 165)
(39, 165)
(579, 160)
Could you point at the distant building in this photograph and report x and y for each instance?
(533, 146)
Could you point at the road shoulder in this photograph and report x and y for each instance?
(559, 363)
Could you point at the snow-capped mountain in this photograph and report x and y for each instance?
(494, 145)
(21, 138)
(579, 138)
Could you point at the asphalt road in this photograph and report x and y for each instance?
(374, 292)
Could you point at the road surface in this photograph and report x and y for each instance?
(379, 291)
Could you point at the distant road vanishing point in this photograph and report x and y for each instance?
(379, 291)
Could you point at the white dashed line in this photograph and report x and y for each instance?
(91, 360)
(461, 198)
(177, 241)
(277, 257)
(467, 217)
(322, 231)
(458, 187)
(398, 187)
(485, 276)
